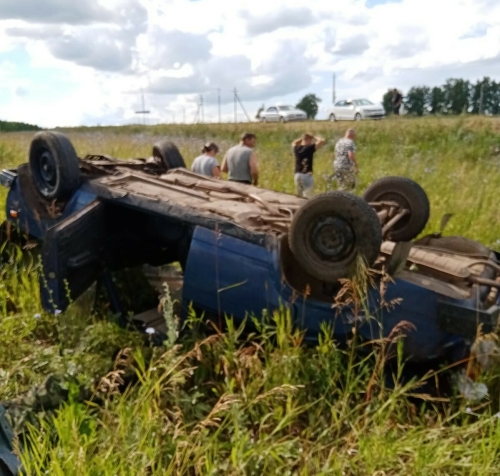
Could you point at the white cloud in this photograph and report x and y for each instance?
(95, 56)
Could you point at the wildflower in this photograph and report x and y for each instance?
(57, 312)
(37, 315)
(468, 410)
(150, 331)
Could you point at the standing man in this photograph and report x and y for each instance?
(345, 166)
(397, 100)
(303, 150)
(240, 162)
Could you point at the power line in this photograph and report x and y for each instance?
(218, 102)
(333, 89)
(143, 111)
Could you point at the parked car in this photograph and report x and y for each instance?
(244, 250)
(355, 110)
(283, 114)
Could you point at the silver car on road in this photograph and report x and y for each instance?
(283, 114)
(355, 110)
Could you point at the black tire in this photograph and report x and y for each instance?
(282, 119)
(332, 118)
(169, 155)
(357, 117)
(54, 166)
(328, 233)
(408, 194)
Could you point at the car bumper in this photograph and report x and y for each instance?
(374, 116)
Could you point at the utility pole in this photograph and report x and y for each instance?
(481, 99)
(235, 107)
(202, 109)
(218, 102)
(333, 89)
(241, 104)
(184, 115)
(143, 111)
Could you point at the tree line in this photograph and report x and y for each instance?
(7, 126)
(456, 96)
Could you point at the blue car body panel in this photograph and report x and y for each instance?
(225, 275)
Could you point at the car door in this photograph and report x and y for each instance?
(349, 111)
(272, 114)
(339, 110)
(72, 256)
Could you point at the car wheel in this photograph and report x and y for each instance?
(264, 120)
(407, 194)
(357, 117)
(54, 166)
(332, 118)
(169, 154)
(282, 119)
(330, 231)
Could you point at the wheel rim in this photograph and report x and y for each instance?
(46, 172)
(332, 239)
(358, 117)
(332, 118)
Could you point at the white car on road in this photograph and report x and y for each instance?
(355, 110)
(283, 114)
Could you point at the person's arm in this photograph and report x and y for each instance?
(254, 169)
(224, 165)
(296, 142)
(319, 142)
(216, 172)
(352, 157)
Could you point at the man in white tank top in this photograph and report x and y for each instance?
(240, 161)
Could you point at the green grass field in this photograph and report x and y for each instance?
(263, 404)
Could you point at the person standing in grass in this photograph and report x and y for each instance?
(206, 164)
(240, 161)
(345, 166)
(397, 100)
(303, 150)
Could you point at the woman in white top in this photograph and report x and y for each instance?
(206, 164)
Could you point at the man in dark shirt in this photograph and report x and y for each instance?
(303, 150)
(397, 99)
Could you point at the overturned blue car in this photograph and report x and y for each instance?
(244, 250)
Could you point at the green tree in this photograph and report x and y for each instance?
(417, 100)
(437, 100)
(387, 100)
(260, 111)
(6, 126)
(458, 93)
(309, 104)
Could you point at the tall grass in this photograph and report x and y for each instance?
(263, 403)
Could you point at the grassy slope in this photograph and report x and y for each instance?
(225, 408)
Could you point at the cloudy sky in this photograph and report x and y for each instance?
(72, 62)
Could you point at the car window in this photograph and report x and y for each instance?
(340, 104)
(364, 102)
(272, 109)
(285, 108)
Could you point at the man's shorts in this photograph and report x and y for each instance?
(304, 185)
(346, 178)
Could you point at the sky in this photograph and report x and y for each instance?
(69, 63)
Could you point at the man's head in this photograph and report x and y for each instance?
(248, 139)
(395, 91)
(350, 134)
(307, 139)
